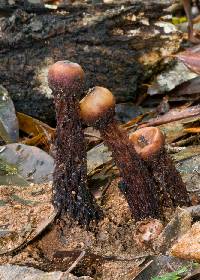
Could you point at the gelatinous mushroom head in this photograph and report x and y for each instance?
(97, 107)
(147, 141)
(65, 75)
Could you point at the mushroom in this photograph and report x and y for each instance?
(149, 144)
(97, 109)
(71, 194)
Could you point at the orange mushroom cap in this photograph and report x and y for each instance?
(147, 141)
(65, 74)
(97, 105)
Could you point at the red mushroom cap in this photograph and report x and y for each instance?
(147, 141)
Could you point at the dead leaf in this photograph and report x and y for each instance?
(133, 122)
(177, 130)
(42, 133)
(187, 88)
(173, 115)
(191, 60)
(35, 141)
(192, 130)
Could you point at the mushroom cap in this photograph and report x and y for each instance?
(97, 106)
(147, 141)
(65, 75)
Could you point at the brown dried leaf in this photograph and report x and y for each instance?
(177, 130)
(174, 115)
(134, 121)
(187, 88)
(191, 60)
(41, 132)
(33, 126)
(35, 141)
(173, 131)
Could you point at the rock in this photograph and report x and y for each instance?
(29, 162)
(8, 118)
(169, 79)
(178, 226)
(159, 265)
(188, 246)
(35, 2)
(13, 272)
(190, 168)
(147, 231)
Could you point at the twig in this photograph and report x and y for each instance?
(75, 263)
(173, 115)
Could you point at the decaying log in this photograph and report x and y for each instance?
(119, 47)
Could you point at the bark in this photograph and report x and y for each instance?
(119, 48)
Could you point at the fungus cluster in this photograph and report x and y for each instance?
(71, 193)
(148, 173)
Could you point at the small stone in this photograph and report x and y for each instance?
(17, 206)
(36, 25)
(35, 2)
(148, 231)
(188, 246)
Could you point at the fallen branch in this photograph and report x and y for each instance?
(173, 115)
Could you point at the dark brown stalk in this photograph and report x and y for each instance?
(167, 176)
(149, 143)
(97, 109)
(71, 193)
(139, 186)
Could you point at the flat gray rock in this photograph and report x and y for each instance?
(13, 272)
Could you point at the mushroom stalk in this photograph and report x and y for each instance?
(97, 109)
(149, 144)
(71, 194)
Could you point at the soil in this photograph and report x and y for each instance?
(113, 249)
